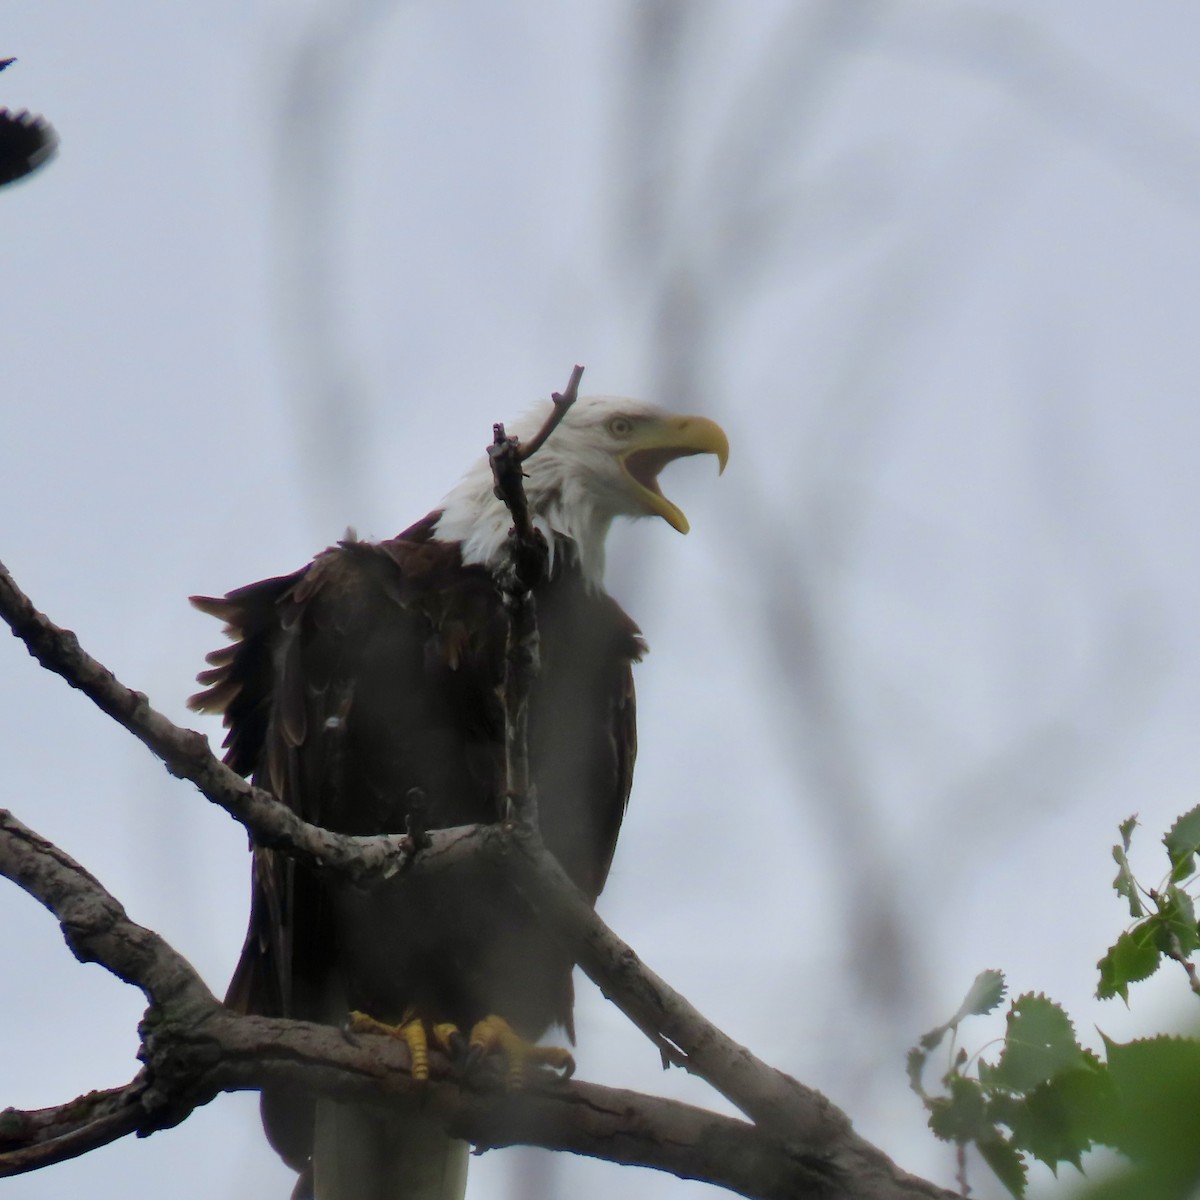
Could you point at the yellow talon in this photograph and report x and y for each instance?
(410, 1031)
(361, 1022)
(494, 1033)
(413, 1034)
(444, 1034)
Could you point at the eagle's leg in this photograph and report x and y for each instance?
(495, 1035)
(411, 1031)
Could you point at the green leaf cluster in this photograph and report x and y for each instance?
(1043, 1096)
(1165, 917)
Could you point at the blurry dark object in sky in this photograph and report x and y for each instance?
(26, 140)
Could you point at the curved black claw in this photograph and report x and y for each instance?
(461, 1055)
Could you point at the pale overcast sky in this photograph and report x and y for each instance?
(933, 635)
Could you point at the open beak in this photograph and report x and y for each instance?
(656, 443)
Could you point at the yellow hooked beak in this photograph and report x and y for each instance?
(653, 444)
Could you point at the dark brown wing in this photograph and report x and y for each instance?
(583, 733)
(363, 676)
(350, 683)
(240, 681)
(240, 684)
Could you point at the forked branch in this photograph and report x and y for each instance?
(795, 1144)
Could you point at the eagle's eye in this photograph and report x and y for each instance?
(620, 426)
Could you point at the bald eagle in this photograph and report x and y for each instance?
(369, 682)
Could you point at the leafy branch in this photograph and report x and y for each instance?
(1166, 922)
(1046, 1097)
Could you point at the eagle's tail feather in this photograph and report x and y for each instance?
(369, 1154)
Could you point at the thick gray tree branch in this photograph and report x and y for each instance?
(799, 1144)
(187, 754)
(30, 1140)
(194, 1048)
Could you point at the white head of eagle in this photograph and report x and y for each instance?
(601, 462)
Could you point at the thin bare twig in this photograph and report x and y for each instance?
(562, 401)
(1175, 951)
(523, 570)
(507, 456)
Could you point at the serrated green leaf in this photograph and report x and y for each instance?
(1131, 1184)
(961, 1116)
(1182, 841)
(1140, 1066)
(987, 1076)
(1177, 922)
(1135, 955)
(1063, 1117)
(1157, 1085)
(1126, 829)
(984, 994)
(1007, 1163)
(915, 1065)
(1125, 883)
(1039, 1042)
